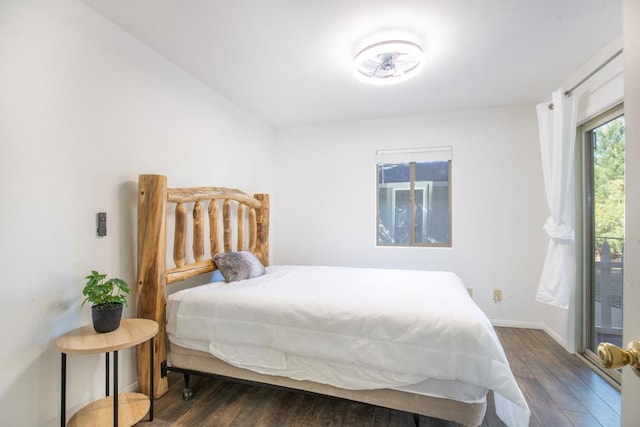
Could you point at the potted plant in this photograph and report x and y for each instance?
(107, 297)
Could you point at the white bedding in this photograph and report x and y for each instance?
(352, 328)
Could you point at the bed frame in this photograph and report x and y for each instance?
(245, 211)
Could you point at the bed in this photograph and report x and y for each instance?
(407, 340)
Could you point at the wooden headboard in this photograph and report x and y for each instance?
(154, 198)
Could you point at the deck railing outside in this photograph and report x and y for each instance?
(609, 287)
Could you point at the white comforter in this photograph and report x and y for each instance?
(379, 328)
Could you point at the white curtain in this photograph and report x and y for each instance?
(557, 128)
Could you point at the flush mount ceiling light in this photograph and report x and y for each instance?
(389, 62)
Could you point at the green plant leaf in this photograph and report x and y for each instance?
(99, 290)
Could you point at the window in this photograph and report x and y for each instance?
(604, 224)
(414, 197)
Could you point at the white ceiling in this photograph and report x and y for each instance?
(289, 62)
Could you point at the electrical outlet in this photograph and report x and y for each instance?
(497, 295)
(470, 290)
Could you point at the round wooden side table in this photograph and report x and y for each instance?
(124, 409)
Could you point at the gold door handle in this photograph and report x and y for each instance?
(613, 357)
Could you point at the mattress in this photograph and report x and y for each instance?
(352, 328)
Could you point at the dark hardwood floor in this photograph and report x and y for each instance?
(560, 389)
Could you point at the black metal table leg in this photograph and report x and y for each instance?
(151, 390)
(63, 392)
(115, 388)
(106, 380)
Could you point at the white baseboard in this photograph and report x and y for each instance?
(557, 338)
(133, 388)
(516, 324)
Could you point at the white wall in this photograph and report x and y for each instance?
(498, 196)
(84, 109)
(631, 382)
(326, 180)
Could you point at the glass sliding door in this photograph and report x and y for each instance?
(604, 147)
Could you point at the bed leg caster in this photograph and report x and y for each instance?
(187, 393)
(186, 377)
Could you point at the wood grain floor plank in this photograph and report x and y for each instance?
(560, 390)
(578, 366)
(582, 419)
(389, 418)
(573, 368)
(303, 411)
(544, 411)
(602, 399)
(570, 372)
(208, 402)
(260, 407)
(434, 422)
(544, 368)
(512, 345)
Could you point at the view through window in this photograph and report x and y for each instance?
(605, 158)
(414, 197)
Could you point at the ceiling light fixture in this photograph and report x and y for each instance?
(389, 62)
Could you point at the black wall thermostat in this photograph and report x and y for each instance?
(102, 224)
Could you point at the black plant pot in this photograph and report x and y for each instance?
(106, 317)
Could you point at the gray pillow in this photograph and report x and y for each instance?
(236, 266)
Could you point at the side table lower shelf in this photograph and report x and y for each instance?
(132, 407)
(120, 409)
